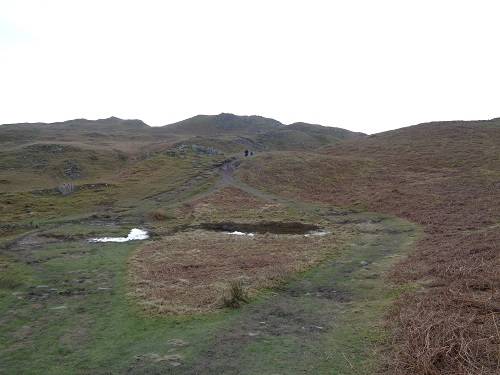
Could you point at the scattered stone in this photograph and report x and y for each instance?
(42, 286)
(59, 308)
(207, 150)
(177, 342)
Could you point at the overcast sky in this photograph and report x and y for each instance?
(365, 66)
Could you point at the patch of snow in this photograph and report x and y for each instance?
(135, 234)
(240, 233)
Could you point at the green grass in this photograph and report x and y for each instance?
(71, 311)
(99, 331)
(67, 305)
(13, 274)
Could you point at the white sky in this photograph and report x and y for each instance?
(365, 66)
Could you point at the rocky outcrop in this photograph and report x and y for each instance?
(67, 188)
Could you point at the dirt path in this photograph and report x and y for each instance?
(227, 178)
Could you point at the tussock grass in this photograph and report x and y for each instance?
(233, 294)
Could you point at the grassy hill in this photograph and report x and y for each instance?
(224, 123)
(446, 177)
(38, 156)
(75, 130)
(236, 133)
(63, 297)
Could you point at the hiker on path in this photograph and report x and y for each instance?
(246, 153)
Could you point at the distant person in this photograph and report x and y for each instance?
(246, 153)
(251, 153)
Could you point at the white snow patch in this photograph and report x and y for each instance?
(135, 234)
(240, 233)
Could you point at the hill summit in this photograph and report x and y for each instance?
(225, 131)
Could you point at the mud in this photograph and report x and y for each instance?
(261, 228)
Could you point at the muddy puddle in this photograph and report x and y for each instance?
(255, 228)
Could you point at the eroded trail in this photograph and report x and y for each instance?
(227, 179)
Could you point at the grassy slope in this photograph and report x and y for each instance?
(64, 301)
(67, 311)
(236, 133)
(72, 315)
(225, 123)
(65, 298)
(116, 152)
(445, 176)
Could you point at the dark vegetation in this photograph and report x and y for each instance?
(61, 183)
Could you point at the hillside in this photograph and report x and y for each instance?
(224, 123)
(234, 133)
(397, 271)
(75, 130)
(38, 156)
(446, 177)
